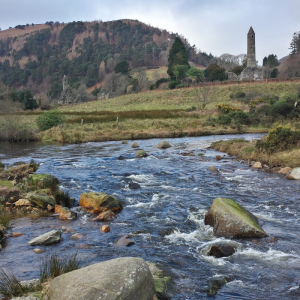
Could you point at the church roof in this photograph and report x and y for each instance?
(251, 30)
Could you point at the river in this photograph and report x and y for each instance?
(176, 192)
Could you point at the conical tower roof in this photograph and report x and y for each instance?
(251, 31)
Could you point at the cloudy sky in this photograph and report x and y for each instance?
(216, 26)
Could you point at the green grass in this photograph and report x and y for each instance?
(6, 183)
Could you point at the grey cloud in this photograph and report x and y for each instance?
(218, 26)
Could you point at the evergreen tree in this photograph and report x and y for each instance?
(265, 61)
(214, 73)
(28, 100)
(122, 67)
(177, 56)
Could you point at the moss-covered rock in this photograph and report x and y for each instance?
(43, 181)
(40, 200)
(230, 219)
(99, 202)
(141, 153)
(160, 280)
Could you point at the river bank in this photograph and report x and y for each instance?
(247, 151)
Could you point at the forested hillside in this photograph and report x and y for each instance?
(84, 51)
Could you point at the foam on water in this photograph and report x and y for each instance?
(143, 178)
(272, 256)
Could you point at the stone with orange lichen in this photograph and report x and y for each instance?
(99, 202)
(105, 228)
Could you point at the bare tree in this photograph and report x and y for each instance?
(229, 61)
(203, 94)
(141, 76)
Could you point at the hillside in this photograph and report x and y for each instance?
(38, 56)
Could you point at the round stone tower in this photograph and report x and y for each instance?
(251, 57)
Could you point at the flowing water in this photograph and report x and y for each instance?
(176, 192)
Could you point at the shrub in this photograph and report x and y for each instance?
(173, 84)
(278, 139)
(282, 108)
(50, 119)
(53, 266)
(64, 199)
(227, 108)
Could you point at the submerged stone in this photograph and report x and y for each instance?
(229, 219)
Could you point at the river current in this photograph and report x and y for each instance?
(168, 214)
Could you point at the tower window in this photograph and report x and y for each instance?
(252, 36)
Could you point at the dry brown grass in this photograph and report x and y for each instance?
(17, 32)
(246, 150)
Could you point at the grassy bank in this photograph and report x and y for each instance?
(158, 113)
(246, 150)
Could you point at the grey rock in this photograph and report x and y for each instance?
(30, 283)
(134, 185)
(295, 174)
(124, 241)
(118, 279)
(163, 145)
(221, 250)
(231, 220)
(48, 238)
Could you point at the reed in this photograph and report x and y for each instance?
(53, 266)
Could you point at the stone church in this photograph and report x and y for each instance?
(67, 95)
(252, 71)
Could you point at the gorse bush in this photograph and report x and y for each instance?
(50, 119)
(278, 139)
(225, 108)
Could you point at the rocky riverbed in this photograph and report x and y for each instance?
(163, 216)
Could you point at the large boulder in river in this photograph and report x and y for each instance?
(47, 238)
(163, 145)
(98, 202)
(295, 174)
(40, 200)
(118, 279)
(230, 219)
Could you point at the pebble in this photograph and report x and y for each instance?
(16, 234)
(105, 228)
(38, 251)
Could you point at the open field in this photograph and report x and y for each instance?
(183, 98)
(158, 113)
(16, 32)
